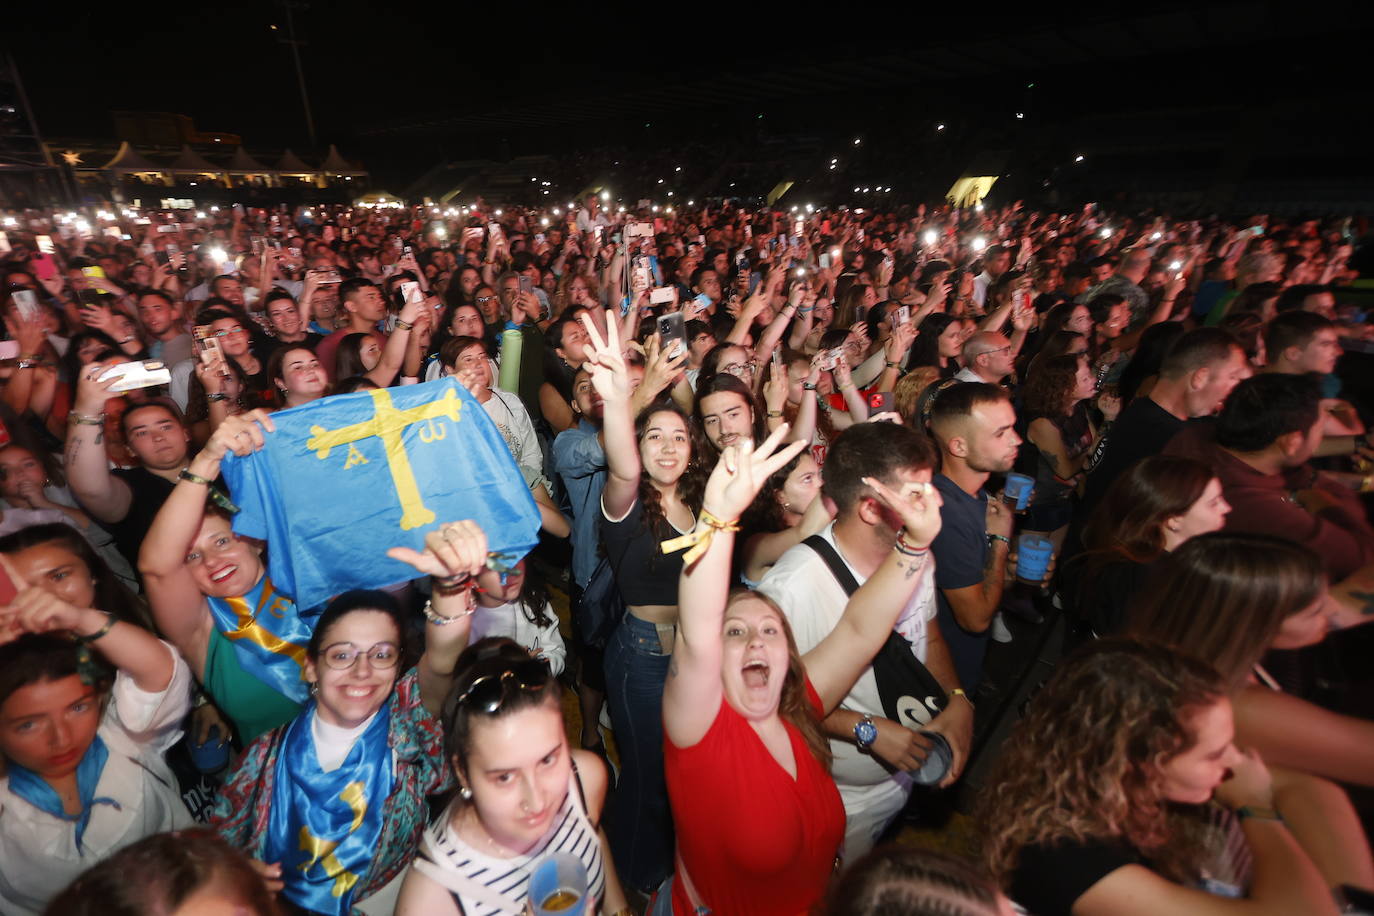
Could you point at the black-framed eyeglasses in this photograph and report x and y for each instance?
(738, 369)
(344, 655)
(488, 692)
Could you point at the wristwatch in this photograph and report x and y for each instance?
(865, 732)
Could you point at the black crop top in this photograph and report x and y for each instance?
(644, 574)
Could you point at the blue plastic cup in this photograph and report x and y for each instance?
(213, 755)
(1017, 491)
(1033, 554)
(558, 886)
(938, 760)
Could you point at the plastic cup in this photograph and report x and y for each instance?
(558, 886)
(937, 762)
(1017, 491)
(213, 755)
(1033, 554)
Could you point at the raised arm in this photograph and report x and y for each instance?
(177, 603)
(394, 353)
(453, 556)
(837, 661)
(131, 649)
(693, 692)
(104, 495)
(612, 381)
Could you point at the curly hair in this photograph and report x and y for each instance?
(1050, 391)
(1084, 763)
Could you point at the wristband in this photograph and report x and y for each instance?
(891, 365)
(87, 640)
(999, 537)
(778, 413)
(959, 692)
(404, 325)
(808, 386)
(185, 474)
(453, 585)
(699, 539)
(83, 420)
(217, 396)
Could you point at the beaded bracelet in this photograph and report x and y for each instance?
(83, 420)
(439, 620)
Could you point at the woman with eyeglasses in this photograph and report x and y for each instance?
(331, 805)
(523, 795)
(652, 495)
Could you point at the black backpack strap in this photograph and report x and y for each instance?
(838, 568)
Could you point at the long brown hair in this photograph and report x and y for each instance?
(1223, 597)
(1129, 521)
(1084, 763)
(794, 707)
(691, 486)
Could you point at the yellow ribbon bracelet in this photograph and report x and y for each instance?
(699, 538)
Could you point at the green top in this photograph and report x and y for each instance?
(251, 705)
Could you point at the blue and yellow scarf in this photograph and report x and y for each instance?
(269, 637)
(324, 827)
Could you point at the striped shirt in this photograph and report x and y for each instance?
(571, 832)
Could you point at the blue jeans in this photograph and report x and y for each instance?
(639, 823)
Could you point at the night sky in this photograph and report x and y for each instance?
(368, 62)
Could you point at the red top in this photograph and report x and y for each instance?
(755, 841)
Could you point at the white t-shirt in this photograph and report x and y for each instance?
(513, 420)
(38, 852)
(814, 602)
(511, 621)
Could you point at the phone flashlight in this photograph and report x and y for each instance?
(1106, 233)
(1175, 266)
(801, 271)
(980, 243)
(930, 237)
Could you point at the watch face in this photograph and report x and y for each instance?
(865, 732)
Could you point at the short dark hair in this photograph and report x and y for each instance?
(359, 599)
(1196, 349)
(162, 403)
(273, 295)
(877, 450)
(1293, 297)
(1293, 329)
(349, 287)
(158, 294)
(1265, 407)
(36, 657)
(1101, 305)
(959, 400)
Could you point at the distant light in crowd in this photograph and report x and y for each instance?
(856, 141)
(605, 195)
(930, 237)
(544, 221)
(1020, 115)
(1078, 158)
(1106, 233)
(979, 243)
(200, 214)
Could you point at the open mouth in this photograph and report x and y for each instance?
(755, 673)
(360, 692)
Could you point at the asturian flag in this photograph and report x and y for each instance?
(344, 478)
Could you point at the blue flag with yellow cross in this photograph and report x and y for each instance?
(344, 478)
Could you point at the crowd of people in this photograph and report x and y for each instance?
(803, 476)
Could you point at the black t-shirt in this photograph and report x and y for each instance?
(1142, 430)
(643, 572)
(310, 342)
(149, 491)
(1049, 879)
(1100, 595)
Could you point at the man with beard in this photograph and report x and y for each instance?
(974, 426)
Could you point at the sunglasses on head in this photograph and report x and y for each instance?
(488, 693)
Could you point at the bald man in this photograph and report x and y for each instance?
(988, 357)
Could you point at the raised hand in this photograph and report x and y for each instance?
(605, 361)
(455, 550)
(916, 504)
(242, 434)
(741, 471)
